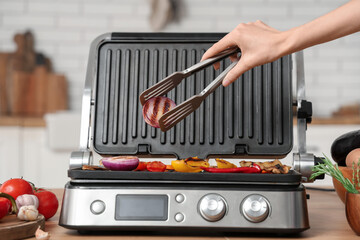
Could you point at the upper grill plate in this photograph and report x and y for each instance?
(253, 116)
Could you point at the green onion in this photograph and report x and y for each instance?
(328, 168)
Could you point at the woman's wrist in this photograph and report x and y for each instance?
(289, 42)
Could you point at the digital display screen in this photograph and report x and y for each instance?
(141, 207)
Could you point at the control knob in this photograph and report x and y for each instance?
(255, 208)
(212, 207)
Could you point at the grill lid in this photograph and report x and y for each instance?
(253, 116)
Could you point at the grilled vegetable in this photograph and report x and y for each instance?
(269, 166)
(197, 162)
(156, 166)
(255, 169)
(141, 166)
(169, 167)
(154, 108)
(121, 163)
(343, 145)
(182, 166)
(221, 163)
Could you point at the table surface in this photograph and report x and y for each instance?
(326, 215)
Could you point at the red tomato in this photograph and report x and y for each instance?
(48, 203)
(156, 166)
(16, 187)
(5, 207)
(141, 166)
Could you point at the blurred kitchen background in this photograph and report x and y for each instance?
(39, 126)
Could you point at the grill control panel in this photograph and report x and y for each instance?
(183, 207)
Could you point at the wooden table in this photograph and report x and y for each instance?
(326, 213)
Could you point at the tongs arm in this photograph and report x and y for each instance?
(218, 81)
(174, 79)
(207, 62)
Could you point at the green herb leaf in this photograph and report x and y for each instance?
(328, 168)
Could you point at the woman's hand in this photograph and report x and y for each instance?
(258, 42)
(261, 44)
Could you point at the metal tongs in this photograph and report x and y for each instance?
(175, 115)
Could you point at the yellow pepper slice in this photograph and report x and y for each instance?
(221, 163)
(197, 163)
(182, 166)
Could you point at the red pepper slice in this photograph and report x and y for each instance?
(141, 166)
(255, 169)
(169, 167)
(156, 166)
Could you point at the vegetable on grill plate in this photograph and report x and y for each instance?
(252, 169)
(275, 166)
(141, 167)
(191, 165)
(121, 163)
(154, 108)
(221, 163)
(156, 166)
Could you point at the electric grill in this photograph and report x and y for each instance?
(252, 118)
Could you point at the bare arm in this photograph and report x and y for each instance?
(260, 43)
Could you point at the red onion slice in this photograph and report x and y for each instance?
(154, 108)
(121, 163)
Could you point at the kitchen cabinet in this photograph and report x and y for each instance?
(10, 153)
(24, 153)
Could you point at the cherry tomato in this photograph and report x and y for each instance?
(156, 166)
(141, 166)
(16, 187)
(48, 203)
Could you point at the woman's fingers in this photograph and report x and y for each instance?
(234, 57)
(235, 73)
(218, 47)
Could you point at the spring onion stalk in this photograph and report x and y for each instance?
(333, 170)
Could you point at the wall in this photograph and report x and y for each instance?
(65, 28)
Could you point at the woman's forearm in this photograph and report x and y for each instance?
(340, 22)
(260, 43)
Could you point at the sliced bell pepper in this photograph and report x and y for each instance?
(221, 163)
(141, 166)
(255, 169)
(198, 163)
(169, 167)
(182, 166)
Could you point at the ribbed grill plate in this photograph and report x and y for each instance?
(253, 116)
